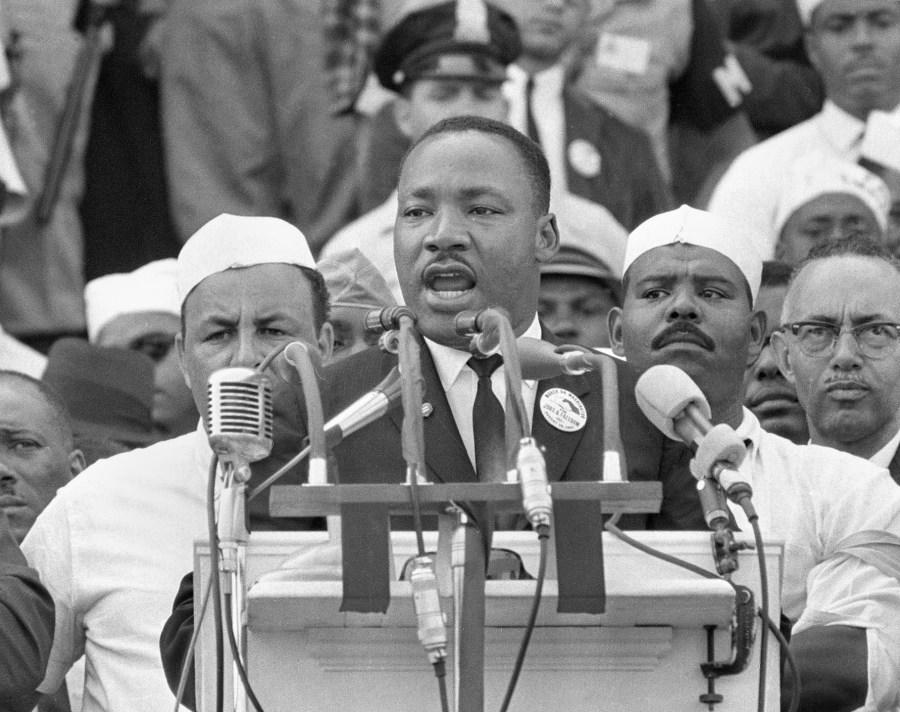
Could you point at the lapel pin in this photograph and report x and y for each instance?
(563, 410)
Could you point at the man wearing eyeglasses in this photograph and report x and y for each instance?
(840, 346)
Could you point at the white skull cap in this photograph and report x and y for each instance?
(687, 225)
(233, 241)
(150, 288)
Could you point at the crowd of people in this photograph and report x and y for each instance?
(191, 184)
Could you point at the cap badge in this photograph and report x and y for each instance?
(563, 410)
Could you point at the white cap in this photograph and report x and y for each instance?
(150, 288)
(810, 178)
(687, 225)
(232, 241)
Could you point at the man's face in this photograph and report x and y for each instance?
(36, 455)
(574, 308)
(153, 334)
(433, 100)
(855, 46)
(239, 316)
(771, 397)
(689, 306)
(467, 235)
(350, 334)
(852, 399)
(547, 27)
(825, 217)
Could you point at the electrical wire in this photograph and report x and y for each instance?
(543, 535)
(278, 474)
(236, 654)
(763, 637)
(792, 664)
(440, 672)
(189, 656)
(214, 580)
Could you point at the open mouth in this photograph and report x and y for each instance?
(449, 281)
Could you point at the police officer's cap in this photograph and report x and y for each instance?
(461, 39)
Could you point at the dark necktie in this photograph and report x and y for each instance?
(488, 423)
(531, 124)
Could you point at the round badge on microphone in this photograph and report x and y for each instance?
(585, 158)
(563, 410)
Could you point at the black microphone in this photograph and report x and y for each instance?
(676, 406)
(366, 409)
(239, 416)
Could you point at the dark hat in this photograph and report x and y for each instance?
(108, 391)
(461, 39)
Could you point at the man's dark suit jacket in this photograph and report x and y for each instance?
(373, 455)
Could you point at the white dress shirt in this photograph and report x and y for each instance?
(817, 500)
(460, 384)
(883, 457)
(750, 189)
(549, 116)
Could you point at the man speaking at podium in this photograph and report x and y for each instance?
(690, 281)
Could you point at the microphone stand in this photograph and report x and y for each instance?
(233, 536)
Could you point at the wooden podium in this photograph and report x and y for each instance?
(643, 653)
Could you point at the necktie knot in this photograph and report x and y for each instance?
(485, 367)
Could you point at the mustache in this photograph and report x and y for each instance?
(679, 332)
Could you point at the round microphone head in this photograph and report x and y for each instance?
(240, 414)
(663, 392)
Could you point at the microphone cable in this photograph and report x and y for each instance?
(543, 532)
(762, 612)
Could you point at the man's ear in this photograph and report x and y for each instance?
(783, 356)
(179, 347)
(614, 324)
(326, 341)
(77, 462)
(757, 336)
(547, 238)
(403, 115)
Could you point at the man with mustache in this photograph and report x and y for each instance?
(855, 46)
(767, 393)
(690, 283)
(839, 346)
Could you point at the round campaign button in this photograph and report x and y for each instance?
(563, 410)
(585, 158)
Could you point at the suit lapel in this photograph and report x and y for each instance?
(560, 445)
(445, 454)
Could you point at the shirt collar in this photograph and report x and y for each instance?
(750, 431)
(550, 80)
(841, 129)
(449, 362)
(883, 457)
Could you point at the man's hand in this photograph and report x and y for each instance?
(833, 669)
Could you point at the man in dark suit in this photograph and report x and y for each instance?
(472, 230)
(592, 153)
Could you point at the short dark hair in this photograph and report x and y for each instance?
(321, 298)
(52, 398)
(775, 274)
(530, 153)
(855, 245)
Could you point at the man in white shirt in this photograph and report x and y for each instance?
(690, 282)
(839, 346)
(855, 46)
(113, 545)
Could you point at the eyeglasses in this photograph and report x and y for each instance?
(877, 339)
